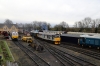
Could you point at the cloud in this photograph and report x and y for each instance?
(52, 11)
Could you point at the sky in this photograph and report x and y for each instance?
(50, 11)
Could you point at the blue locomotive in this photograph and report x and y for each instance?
(90, 40)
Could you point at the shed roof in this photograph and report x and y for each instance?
(8, 25)
(71, 35)
(91, 36)
(47, 33)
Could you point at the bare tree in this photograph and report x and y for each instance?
(7, 21)
(92, 25)
(80, 24)
(35, 25)
(97, 22)
(49, 26)
(20, 24)
(28, 26)
(64, 25)
(38, 25)
(87, 22)
(76, 25)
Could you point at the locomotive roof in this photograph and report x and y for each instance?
(81, 33)
(91, 36)
(47, 33)
(53, 31)
(34, 31)
(71, 35)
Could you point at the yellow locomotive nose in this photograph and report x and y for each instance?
(57, 39)
(14, 36)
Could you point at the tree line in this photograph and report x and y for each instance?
(85, 25)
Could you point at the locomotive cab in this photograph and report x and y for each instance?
(27, 39)
(57, 39)
(82, 40)
(14, 35)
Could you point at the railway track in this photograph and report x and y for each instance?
(58, 59)
(83, 51)
(65, 57)
(38, 60)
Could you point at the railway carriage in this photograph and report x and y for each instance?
(5, 34)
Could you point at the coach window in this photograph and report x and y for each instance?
(56, 35)
(44, 36)
(52, 36)
(49, 36)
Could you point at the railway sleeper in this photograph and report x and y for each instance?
(37, 47)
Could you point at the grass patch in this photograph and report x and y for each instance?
(5, 52)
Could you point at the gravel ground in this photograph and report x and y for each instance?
(24, 60)
(19, 55)
(89, 59)
(45, 55)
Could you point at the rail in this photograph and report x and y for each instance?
(38, 60)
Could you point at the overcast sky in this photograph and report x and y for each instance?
(51, 11)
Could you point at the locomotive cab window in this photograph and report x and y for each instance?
(16, 33)
(83, 39)
(48, 36)
(57, 36)
(52, 36)
(13, 33)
